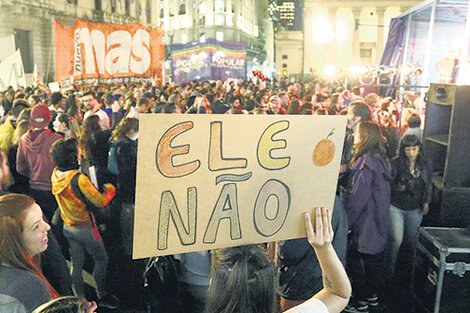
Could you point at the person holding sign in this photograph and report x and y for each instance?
(242, 278)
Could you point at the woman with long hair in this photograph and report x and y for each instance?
(243, 278)
(69, 304)
(411, 195)
(20, 183)
(23, 236)
(94, 145)
(367, 203)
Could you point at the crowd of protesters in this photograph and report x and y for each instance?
(74, 154)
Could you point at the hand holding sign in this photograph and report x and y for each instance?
(318, 227)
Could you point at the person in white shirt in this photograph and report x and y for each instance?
(93, 106)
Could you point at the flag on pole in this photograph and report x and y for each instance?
(36, 78)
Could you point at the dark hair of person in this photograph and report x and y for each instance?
(88, 93)
(70, 106)
(293, 107)
(18, 106)
(64, 154)
(414, 121)
(372, 142)
(242, 281)
(410, 141)
(335, 98)
(356, 90)
(361, 109)
(124, 127)
(56, 97)
(169, 108)
(90, 126)
(305, 107)
(403, 161)
(69, 304)
(13, 209)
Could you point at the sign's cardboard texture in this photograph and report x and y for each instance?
(214, 181)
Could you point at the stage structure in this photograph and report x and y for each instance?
(433, 36)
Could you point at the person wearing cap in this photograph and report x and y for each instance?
(8, 128)
(33, 158)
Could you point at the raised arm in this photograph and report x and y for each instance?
(336, 286)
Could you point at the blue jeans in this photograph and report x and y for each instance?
(404, 236)
(82, 240)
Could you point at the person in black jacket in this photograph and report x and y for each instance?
(300, 273)
(411, 195)
(124, 139)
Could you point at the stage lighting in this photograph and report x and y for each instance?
(329, 70)
(357, 69)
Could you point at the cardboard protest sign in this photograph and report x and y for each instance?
(12, 72)
(213, 181)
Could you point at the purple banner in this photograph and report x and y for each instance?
(211, 60)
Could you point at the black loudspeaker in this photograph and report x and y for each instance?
(447, 134)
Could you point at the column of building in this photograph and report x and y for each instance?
(308, 42)
(331, 51)
(380, 32)
(356, 43)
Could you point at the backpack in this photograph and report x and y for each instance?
(112, 161)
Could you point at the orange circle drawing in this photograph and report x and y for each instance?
(324, 151)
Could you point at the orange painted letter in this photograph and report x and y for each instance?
(216, 161)
(165, 153)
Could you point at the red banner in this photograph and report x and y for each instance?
(101, 53)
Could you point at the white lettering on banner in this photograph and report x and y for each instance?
(228, 63)
(140, 50)
(77, 66)
(119, 52)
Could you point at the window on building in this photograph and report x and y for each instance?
(182, 9)
(219, 6)
(148, 11)
(23, 42)
(162, 13)
(219, 36)
(284, 56)
(202, 38)
(184, 38)
(127, 5)
(113, 6)
(284, 65)
(98, 5)
(74, 2)
(202, 7)
(202, 20)
(220, 19)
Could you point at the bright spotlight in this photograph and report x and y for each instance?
(329, 70)
(322, 30)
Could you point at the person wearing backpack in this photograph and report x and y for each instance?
(78, 198)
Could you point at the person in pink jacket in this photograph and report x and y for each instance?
(33, 158)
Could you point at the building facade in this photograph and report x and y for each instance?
(225, 20)
(346, 33)
(28, 25)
